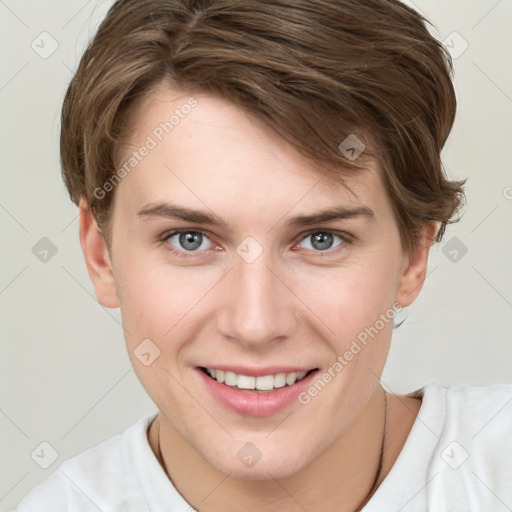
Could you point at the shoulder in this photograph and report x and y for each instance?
(475, 417)
(101, 478)
(478, 423)
(473, 460)
(481, 412)
(468, 409)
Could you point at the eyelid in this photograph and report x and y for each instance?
(341, 234)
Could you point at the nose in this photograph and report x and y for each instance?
(258, 307)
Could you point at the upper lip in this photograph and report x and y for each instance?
(258, 372)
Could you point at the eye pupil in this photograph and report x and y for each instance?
(190, 240)
(324, 240)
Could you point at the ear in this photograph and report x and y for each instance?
(97, 257)
(414, 267)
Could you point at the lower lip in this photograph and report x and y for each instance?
(253, 403)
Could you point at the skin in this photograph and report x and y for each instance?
(295, 304)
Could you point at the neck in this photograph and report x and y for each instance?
(343, 478)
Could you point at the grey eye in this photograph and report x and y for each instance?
(322, 241)
(189, 241)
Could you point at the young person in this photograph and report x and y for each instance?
(259, 184)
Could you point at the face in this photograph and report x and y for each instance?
(218, 260)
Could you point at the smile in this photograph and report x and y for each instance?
(259, 383)
(255, 392)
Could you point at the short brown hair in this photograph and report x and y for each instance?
(317, 71)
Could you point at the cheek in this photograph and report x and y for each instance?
(348, 299)
(158, 299)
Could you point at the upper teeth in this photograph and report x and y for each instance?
(262, 383)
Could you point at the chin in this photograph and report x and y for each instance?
(272, 464)
(260, 472)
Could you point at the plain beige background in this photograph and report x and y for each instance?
(65, 378)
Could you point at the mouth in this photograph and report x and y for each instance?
(256, 384)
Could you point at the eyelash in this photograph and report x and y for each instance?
(346, 240)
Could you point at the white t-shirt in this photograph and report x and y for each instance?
(457, 457)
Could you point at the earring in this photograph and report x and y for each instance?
(400, 315)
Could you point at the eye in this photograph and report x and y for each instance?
(323, 241)
(188, 241)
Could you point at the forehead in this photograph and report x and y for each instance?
(202, 149)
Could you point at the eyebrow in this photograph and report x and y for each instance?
(171, 211)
